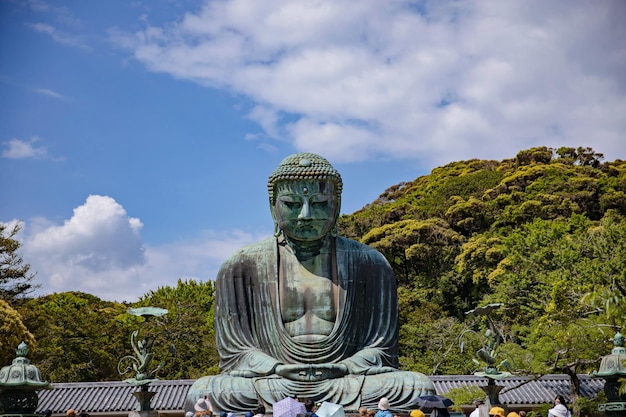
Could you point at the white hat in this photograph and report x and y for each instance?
(383, 404)
(559, 410)
(201, 405)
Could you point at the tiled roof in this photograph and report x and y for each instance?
(523, 389)
(115, 396)
(111, 396)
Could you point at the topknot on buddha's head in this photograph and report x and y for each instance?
(304, 166)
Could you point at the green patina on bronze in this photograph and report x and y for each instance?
(304, 166)
(19, 383)
(307, 312)
(613, 370)
(140, 363)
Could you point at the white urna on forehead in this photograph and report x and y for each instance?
(306, 187)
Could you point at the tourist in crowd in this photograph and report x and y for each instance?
(310, 407)
(559, 410)
(560, 401)
(383, 408)
(259, 411)
(477, 403)
(496, 412)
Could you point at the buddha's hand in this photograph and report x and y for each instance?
(243, 374)
(380, 370)
(312, 372)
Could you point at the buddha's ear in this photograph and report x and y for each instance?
(273, 210)
(277, 230)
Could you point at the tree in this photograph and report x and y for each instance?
(187, 338)
(15, 276)
(79, 336)
(12, 332)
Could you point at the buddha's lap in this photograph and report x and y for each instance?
(228, 392)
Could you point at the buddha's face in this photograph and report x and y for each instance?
(305, 210)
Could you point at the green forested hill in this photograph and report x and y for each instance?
(543, 233)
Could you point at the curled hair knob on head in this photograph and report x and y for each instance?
(304, 166)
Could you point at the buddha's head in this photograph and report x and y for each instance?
(305, 197)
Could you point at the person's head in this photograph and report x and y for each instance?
(560, 400)
(559, 410)
(309, 405)
(496, 411)
(260, 409)
(371, 413)
(47, 413)
(70, 413)
(417, 413)
(478, 402)
(383, 404)
(305, 197)
(522, 413)
(362, 411)
(512, 414)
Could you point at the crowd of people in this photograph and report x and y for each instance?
(203, 408)
(560, 409)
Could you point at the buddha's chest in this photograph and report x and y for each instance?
(308, 296)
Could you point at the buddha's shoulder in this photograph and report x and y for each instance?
(355, 247)
(254, 250)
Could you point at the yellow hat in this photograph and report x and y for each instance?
(496, 411)
(417, 413)
(512, 414)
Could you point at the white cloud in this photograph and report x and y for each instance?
(99, 250)
(453, 80)
(59, 36)
(50, 93)
(21, 149)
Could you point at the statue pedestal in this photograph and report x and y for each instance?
(492, 392)
(143, 398)
(493, 398)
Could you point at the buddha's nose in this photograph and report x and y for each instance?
(305, 213)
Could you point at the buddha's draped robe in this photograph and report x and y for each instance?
(252, 339)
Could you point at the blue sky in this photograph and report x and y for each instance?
(136, 137)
